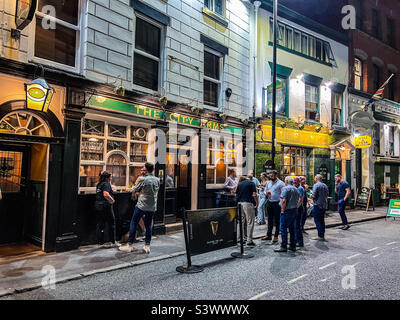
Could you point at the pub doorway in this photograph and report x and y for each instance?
(23, 183)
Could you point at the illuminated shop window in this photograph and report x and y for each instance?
(294, 161)
(120, 149)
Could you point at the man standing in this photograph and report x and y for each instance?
(273, 191)
(300, 212)
(305, 202)
(342, 188)
(247, 197)
(147, 187)
(320, 195)
(290, 202)
(231, 181)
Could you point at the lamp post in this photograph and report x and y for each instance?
(275, 31)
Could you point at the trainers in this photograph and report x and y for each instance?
(116, 244)
(318, 239)
(298, 245)
(346, 227)
(146, 248)
(276, 239)
(127, 248)
(251, 244)
(107, 245)
(280, 250)
(266, 238)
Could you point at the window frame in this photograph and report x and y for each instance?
(303, 158)
(79, 40)
(305, 102)
(333, 108)
(106, 155)
(218, 82)
(211, 7)
(376, 29)
(160, 60)
(360, 75)
(391, 32)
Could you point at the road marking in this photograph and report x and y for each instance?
(260, 295)
(355, 264)
(328, 265)
(377, 255)
(353, 256)
(298, 278)
(390, 243)
(373, 249)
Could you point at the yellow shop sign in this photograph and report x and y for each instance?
(363, 142)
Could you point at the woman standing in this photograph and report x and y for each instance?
(104, 211)
(263, 199)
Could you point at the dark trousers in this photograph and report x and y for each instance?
(304, 217)
(103, 217)
(148, 223)
(274, 216)
(341, 207)
(299, 226)
(319, 218)
(288, 222)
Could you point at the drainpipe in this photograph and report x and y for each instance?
(257, 5)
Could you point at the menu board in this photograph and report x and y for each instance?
(364, 199)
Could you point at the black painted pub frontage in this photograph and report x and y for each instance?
(50, 157)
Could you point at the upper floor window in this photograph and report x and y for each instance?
(281, 96)
(303, 43)
(213, 65)
(360, 14)
(358, 74)
(217, 6)
(376, 24)
(312, 98)
(376, 77)
(58, 42)
(336, 102)
(147, 54)
(391, 30)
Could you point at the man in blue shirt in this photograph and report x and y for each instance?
(300, 213)
(273, 191)
(342, 188)
(290, 202)
(320, 195)
(246, 193)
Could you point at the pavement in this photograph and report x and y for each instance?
(20, 273)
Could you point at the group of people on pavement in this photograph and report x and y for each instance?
(285, 204)
(145, 191)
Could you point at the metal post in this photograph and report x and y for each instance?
(241, 254)
(275, 30)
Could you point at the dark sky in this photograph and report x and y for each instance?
(327, 12)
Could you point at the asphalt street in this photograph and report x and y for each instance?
(360, 263)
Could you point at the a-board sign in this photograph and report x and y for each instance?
(364, 199)
(211, 229)
(394, 208)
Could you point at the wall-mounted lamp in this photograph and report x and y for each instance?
(38, 95)
(300, 76)
(223, 116)
(196, 110)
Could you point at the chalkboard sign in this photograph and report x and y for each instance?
(364, 198)
(323, 171)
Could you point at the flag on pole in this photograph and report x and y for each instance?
(379, 94)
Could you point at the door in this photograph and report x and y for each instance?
(178, 191)
(13, 184)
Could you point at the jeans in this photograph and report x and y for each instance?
(261, 208)
(103, 217)
(287, 222)
(341, 207)
(148, 219)
(274, 217)
(299, 226)
(248, 218)
(319, 218)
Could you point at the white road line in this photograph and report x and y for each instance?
(355, 264)
(298, 278)
(260, 295)
(373, 249)
(390, 243)
(326, 266)
(377, 255)
(353, 256)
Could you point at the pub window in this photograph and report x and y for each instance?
(391, 140)
(336, 102)
(147, 54)
(120, 149)
(217, 6)
(312, 97)
(358, 74)
(58, 45)
(294, 161)
(212, 77)
(281, 96)
(221, 159)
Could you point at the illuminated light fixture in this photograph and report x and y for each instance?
(318, 128)
(342, 148)
(301, 126)
(38, 95)
(328, 84)
(223, 116)
(93, 140)
(300, 76)
(195, 110)
(283, 124)
(331, 132)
